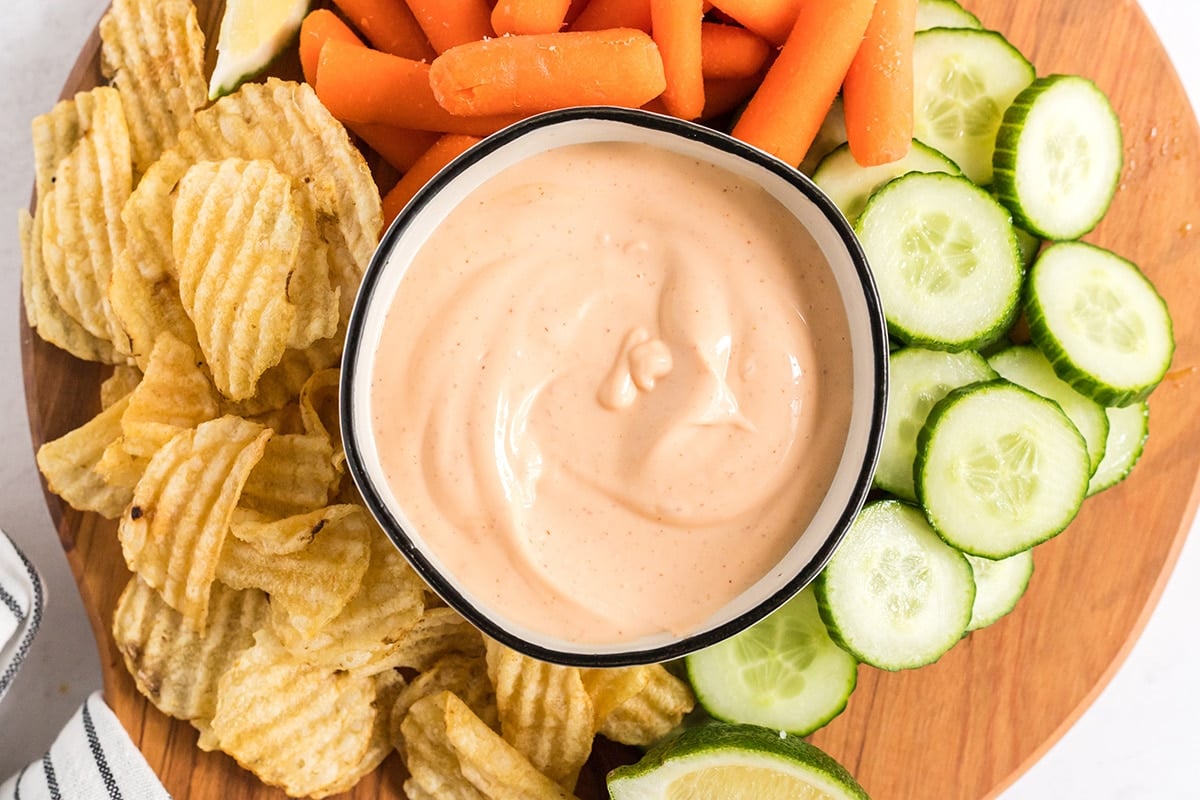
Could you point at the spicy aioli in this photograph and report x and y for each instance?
(612, 390)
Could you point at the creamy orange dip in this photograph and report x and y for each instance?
(612, 390)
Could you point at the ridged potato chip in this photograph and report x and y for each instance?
(281, 537)
(153, 50)
(176, 526)
(652, 713)
(175, 667)
(545, 712)
(285, 123)
(236, 241)
(124, 379)
(281, 383)
(175, 394)
(148, 309)
(611, 688)
(295, 726)
(387, 686)
(118, 468)
(439, 632)
(69, 464)
(319, 408)
(452, 754)
(371, 628)
(464, 676)
(284, 421)
(295, 476)
(310, 587)
(81, 228)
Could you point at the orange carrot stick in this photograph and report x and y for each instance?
(448, 23)
(878, 90)
(602, 15)
(786, 112)
(728, 51)
(389, 26)
(441, 153)
(400, 147)
(722, 95)
(770, 19)
(360, 85)
(529, 74)
(317, 28)
(529, 16)
(676, 30)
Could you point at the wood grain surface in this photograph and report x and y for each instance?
(963, 728)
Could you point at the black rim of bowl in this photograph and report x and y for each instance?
(400, 537)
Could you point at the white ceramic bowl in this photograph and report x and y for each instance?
(868, 345)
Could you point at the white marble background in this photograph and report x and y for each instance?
(1139, 741)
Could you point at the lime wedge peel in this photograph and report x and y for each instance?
(253, 33)
(734, 762)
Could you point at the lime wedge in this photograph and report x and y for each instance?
(252, 33)
(734, 762)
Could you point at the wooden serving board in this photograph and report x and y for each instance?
(967, 726)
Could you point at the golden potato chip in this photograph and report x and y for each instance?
(310, 287)
(295, 476)
(287, 420)
(118, 468)
(453, 754)
(295, 726)
(69, 464)
(439, 632)
(371, 628)
(175, 667)
(610, 688)
(310, 587)
(174, 395)
(319, 407)
(82, 232)
(280, 385)
(176, 526)
(153, 50)
(387, 686)
(285, 123)
(545, 712)
(236, 241)
(55, 135)
(285, 536)
(652, 713)
(464, 676)
(148, 308)
(124, 379)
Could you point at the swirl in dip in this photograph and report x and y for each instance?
(612, 390)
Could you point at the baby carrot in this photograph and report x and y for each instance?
(676, 30)
(878, 90)
(529, 16)
(786, 112)
(770, 19)
(400, 147)
(389, 26)
(601, 15)
(360, 85)
(448, 23)
(319, 27)
(442, 152)
(529, 74)
(727, 51)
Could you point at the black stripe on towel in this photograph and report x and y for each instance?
(32, 626)
(12, 604)
(110, 783)
(17, 788)
(51, 779)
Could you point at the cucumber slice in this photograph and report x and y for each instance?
(1026, 366)
(1028, 244)
(945, 260)
(1058, 157)
(998, 586)
(1100, 322)
(917, 379)
(999, 469)
(1128, 429)
(944, 14)
(785, 673)
(964, 80)
(850, 185)
(894, 594)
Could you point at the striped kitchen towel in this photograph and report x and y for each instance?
(93, 757)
